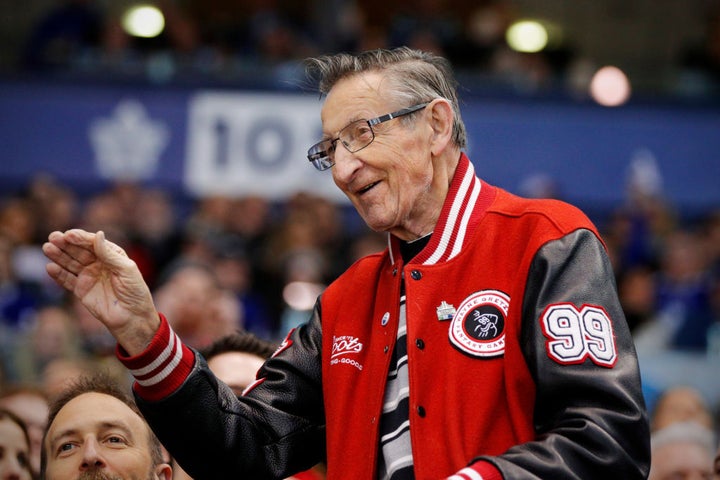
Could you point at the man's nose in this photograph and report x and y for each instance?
(91, 455)
(346, 164)
(15, 469)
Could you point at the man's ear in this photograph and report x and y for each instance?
(163, 472)
(441, 122)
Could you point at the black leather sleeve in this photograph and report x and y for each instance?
(590, 415)
(276, 430)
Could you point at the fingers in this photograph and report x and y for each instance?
(61, 276)
(110, 253)
(67, 255)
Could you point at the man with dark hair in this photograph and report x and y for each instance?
(95, 431)
(486, 342)
(236, 358)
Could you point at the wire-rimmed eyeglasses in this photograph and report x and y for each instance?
(354, 137)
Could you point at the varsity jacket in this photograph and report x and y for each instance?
(520, 362)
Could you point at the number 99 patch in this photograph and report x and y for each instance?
(575, 335)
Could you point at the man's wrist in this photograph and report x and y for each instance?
(162, 366)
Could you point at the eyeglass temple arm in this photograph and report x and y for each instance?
(399, 113)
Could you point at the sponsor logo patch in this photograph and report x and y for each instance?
(478, 326)
(343, 346)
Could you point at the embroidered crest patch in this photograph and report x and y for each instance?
(478, 327)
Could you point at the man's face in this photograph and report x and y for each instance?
(236, 369)
(96, 436)
(14, 451)
(390, 182)
(681, 461)
(33, 410)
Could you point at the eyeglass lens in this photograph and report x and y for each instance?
(354, 137)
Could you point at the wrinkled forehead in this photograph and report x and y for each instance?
(91, 411)
(355, 96)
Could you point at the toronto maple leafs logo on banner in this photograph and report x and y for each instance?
(128, 143)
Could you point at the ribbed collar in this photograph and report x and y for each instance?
(467, 200)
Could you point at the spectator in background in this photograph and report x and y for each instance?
(111, 211)
(18, 301)
(682, 451)
(96, 431)
(484, 35)
(684, 288)
(155, 235)
(681, 404)
(639, 227)
(66, 33)
(57, 205)
(235, 275)
(700, 63)
(200, 309)
(636, 288)
(96, 341)
(52, 335)
(426, 25)
(366, 243)
(236, 358)
(14, 448)
(59, 371)
(20, 286)
(30, 404)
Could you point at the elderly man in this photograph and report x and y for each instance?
(485, 342)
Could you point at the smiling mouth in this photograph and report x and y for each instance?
(366, 188)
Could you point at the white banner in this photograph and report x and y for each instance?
(249, 143)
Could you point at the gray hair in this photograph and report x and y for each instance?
(686, 432)
(414, 77)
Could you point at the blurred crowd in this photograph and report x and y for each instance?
(221, 264)
(267, 40)
(217, 264)
(224, 36)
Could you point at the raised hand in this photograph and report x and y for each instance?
(107, 282)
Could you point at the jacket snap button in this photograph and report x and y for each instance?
(419, 343)
(421, 411)
(416, 275)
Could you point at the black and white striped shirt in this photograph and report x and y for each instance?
(395, 459)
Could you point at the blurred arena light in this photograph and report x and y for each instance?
(527, 36)
(301, 295)
(146, 21)
(610, 87)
